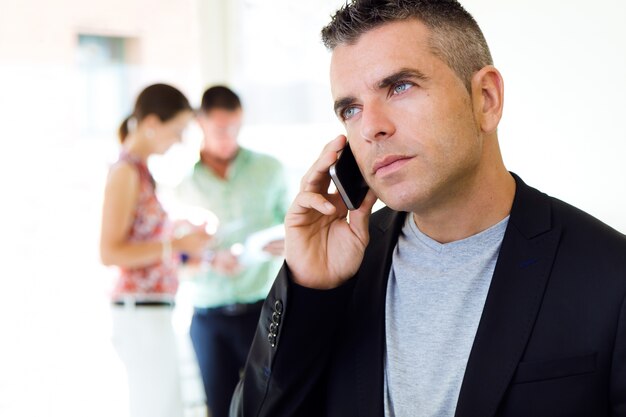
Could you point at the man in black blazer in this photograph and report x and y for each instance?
(414, 85)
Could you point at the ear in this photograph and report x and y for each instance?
(202, 121)
(488, 98)
(151, 121)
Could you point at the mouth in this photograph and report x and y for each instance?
(389, 164)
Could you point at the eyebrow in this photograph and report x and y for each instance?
(342, 103)
(403, 74)
(390, 80)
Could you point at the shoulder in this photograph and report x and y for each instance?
(123, 173)
(192, 180)
(587, 247)
(196, 170)
(578, 224)
(123, 182)
(535, 212)
(261, 159)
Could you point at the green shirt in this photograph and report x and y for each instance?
(253, 197)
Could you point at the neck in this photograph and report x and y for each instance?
(133, 146)
(216, 164)
(474, 205)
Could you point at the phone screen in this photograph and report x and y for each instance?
(348, 179)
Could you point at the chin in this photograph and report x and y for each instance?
(399, 201)
(399, 207)
(407, 198)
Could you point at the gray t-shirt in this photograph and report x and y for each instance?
(435, 297)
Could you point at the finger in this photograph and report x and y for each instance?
(307, 201)
(359, 219)
(274, 250)
(273, 245)
(317, 177)
(368, 202)
(336, 200)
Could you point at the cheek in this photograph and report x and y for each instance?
(454, 126)
(168, 141)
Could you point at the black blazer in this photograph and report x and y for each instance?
(551, 339)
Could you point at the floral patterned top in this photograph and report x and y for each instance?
(150, 222)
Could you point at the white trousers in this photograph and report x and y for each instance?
(146, 343)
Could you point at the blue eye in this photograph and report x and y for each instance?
(401, 88)
(349, 112)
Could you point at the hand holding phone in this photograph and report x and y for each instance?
(347, 177)
(323, 246)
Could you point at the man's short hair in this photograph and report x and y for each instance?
(455, 37)
(220, 97)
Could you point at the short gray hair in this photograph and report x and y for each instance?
(455, 38)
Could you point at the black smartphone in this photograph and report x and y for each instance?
(348, 179)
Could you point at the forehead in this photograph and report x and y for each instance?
(223, 115)
(380, 52)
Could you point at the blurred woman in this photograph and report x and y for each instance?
(136, 237)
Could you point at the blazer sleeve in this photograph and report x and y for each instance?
(290, 351)
(618, 368)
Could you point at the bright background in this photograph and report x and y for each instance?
(70, 69)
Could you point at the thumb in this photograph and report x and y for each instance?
(359, 219)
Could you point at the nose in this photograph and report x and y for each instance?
(375, 122)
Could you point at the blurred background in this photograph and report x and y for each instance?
(70, 70)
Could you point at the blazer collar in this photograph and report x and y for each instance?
(369, 312)
(514, 297)
(512, 303)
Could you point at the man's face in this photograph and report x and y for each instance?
(221, 129)
(408, 117)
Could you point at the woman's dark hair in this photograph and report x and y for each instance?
(162, 100)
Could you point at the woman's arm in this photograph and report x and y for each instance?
(120, 199)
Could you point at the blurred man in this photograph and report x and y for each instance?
(247, 192)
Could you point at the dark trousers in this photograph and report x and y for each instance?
(221, 338)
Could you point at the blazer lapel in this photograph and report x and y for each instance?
(512, 303)
(369, 312)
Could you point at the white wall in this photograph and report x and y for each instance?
(564, 69)
(56, 358)
(564, 65)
